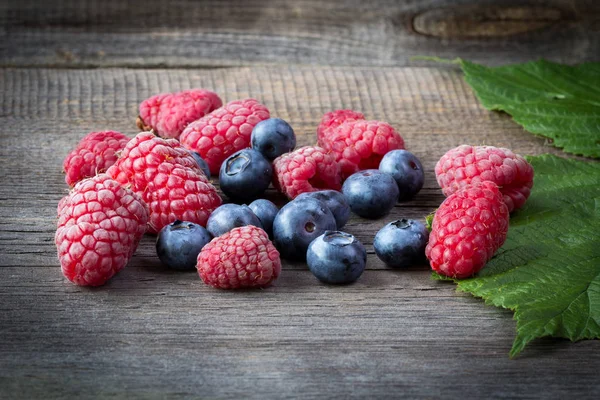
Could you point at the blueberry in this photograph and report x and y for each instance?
(336, 202)
(245, 175)
(229, 216)
(273, 137)
(179, 243)
(298, 223)
(336, 257)
(407, 171)
(266, 212)
(401, 243)
(201, 163)
(371, 193)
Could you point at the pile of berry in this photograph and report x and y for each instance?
(159, 183)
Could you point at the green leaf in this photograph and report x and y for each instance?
(429, 221)
(560, 102)
(548, 270)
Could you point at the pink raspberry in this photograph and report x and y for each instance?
(100, 224)
(241, 258)
(360, 144)
(168, 114)
(306, 169)
(468, 228)
(333, 119)
(167, 178)
(224, 131)
(465, 165)
(93, 155)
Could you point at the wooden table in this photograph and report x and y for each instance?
(68, 68)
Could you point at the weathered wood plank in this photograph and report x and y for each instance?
(392, 334)
(235, 32)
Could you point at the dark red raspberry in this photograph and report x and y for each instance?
(244, 257)
(168, 114)
(224, 131)
(360, 144)
(467, 229)
(333, 119)
(465, 165)
(168, 179)
(93, 155)
(100, 224)
(306, 169)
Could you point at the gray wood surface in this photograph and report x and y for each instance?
(153, 333)
(176, 33)
(68, 67)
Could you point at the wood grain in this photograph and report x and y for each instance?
(485, 22)
(185, 33)
(153, 333)
(393, 334)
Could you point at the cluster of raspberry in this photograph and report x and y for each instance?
(123, 188)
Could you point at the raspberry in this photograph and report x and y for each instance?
(168, 114)
(166, 176)
(306, 169)
(224, 131)
(465, 165)
(100, 224)
(468, 228)
(93, 155)
(358, 145)
(241, 258)
(333, 119)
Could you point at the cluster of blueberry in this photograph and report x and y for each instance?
(308, 227)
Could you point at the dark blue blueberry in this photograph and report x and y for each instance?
(201, 163)
(273, 137)
(298, 223)
(406, 169)
(245, 175)
(336, 202)
(371, 193)
(336, 257)
(401, 243)
(266, 212)
(229, 216)
(179, 243)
